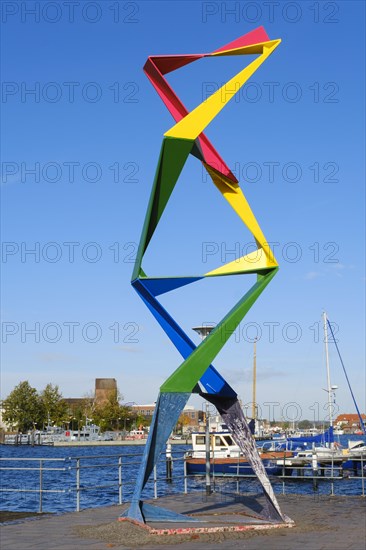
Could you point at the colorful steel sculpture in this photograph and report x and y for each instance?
(196, 374)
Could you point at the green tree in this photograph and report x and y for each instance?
(53, 405)
(88, 408)
(139, 420)
(76, 420)
(183, 421)
(22, 408)
(110, 415)
(305, 425)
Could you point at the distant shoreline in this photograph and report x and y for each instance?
(122, 443)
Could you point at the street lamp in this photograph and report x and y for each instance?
(204, 331)
(331, 396)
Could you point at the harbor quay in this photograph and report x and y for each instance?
(114, 443)
(320, 523)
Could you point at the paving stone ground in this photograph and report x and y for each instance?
(322, 523)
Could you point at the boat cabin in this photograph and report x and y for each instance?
(221, 443)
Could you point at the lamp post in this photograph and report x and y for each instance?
(126, 418)
(334, 388)
(32, 437)
(329, 389)
(254, 402)
(204, 331)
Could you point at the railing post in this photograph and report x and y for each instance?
(332, 482)
(169, 463)
(237, 473)
(78, 484)
(120, 499)
(40, 484)
(362, 476)
(314, 464)
(185, 474)
(208, 453)
(155, 484)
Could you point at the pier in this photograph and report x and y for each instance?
(321, 523)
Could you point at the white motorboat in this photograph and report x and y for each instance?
(89, 432)
(356, 448)
(226, 457)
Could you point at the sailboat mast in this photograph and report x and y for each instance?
(329, 389)
(254, 401)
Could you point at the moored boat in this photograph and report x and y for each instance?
(89, 432)
(355, 456)
(226, 457)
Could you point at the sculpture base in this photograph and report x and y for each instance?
(151, 513)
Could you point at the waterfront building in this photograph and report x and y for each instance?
(105, 389)
(349, 422)
(191, 417)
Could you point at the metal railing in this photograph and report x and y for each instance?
(41, 469)
(125, 466)
(79, 479)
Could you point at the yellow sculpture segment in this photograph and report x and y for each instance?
(193, 124)
(196, 374)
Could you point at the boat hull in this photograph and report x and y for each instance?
(229, 467)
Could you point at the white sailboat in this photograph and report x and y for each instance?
(330, 452)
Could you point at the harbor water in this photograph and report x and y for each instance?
(100, 476)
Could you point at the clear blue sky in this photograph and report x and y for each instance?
(92, 131)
